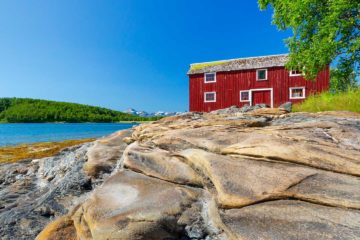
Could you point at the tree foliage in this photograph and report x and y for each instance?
(342, 81)
(34, 110)
(324, 32)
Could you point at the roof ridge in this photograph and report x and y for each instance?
(242, 58)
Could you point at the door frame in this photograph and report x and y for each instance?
(263, 89)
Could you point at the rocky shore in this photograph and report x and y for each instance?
(230, 174)
(10, 154)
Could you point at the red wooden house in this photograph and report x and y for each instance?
(221, 84)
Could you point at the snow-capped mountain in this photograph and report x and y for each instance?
(146, 114)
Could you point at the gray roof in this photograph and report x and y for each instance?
(239, 64)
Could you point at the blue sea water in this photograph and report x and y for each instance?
(17, 133)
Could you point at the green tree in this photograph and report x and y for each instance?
(324, 32)
(35, 110)
(341, 81)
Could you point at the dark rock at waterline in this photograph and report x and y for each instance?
(35, 192)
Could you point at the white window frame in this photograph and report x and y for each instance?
(248, 91)
(257, 74)
(207, 101)
(294, 74)
(208, 74)
(292, 88)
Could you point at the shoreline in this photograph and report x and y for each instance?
(25, 151)
(128, 122)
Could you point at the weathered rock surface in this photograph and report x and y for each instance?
(130, 209)
(292, 219)
(236, 109)
(287, 106)
(32, 193)
(105, 153)
(258, 180)
(161, 164)
(261, 174)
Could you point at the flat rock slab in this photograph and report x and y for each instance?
(240, 181)
(160, 164)
(319, 144)
(292, 220)
(308, 150)
(328, 188)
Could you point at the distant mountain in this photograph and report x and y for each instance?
(23, 110)
(154, 114)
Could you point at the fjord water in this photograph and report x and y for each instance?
(18, 133)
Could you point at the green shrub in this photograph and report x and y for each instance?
(341, 101)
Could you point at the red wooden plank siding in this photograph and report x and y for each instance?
(229, 84)
(263, 96)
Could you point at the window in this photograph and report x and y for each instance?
(210, 96)
(210, 77)
(244, 96)
(297, 92)
(294, 73)
(261, 74)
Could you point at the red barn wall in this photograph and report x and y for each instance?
(229, 84)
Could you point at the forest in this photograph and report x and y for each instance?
(26, 110)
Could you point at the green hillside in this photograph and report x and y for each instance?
(26, 110)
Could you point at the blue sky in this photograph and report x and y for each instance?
(124, 53)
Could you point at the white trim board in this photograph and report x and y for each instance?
(263, 89)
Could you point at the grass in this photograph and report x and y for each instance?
(344, 101)
(197, 66)
(36, 150)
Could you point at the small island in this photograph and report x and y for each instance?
(27, 110)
